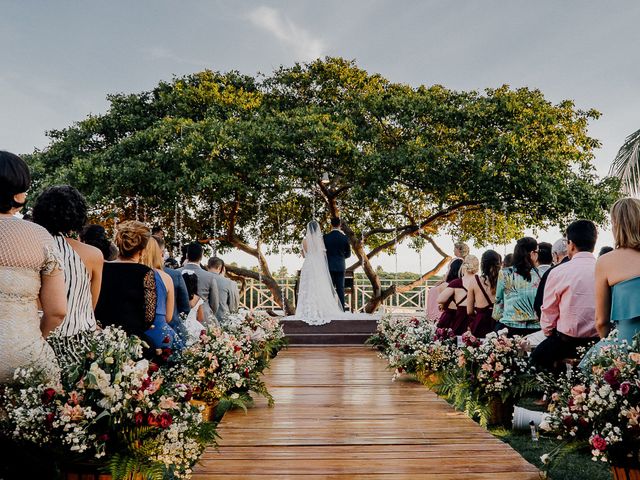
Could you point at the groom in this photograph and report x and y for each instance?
(338, 249)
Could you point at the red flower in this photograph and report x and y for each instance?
(568, 421)
(246, 372)
(237, 348)
(104, 437)
(145, 383)
(624, 388)
(599, 443)
(48, 395)
(612, 377)
(203, 333)
(166, 339)
(187, 395)
(153, 367)
(165, 420)
(152, 420)
(211, 384)
(139, 418)
(415, 321)
(166, 353)
(49, 418)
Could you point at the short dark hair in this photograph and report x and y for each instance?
(160, 240)
(96, 236)
(604, 250)
(335, 222)
(583, 234)
(507, 261)
(191, 281)
(61, 210)
(454, 270)
(215, 262)
(194, 252)
(14, 178)
(544, 253)
(156, 229)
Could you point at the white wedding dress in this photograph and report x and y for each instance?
(318, 301)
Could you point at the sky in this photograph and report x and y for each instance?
(59, 60)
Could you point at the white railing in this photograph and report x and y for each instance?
(256, 295)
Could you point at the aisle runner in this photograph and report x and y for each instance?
(339, 416)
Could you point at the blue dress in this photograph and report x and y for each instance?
(161, 335)
(625, 308)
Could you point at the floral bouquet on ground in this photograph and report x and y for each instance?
(490, 375)
(111, 408)
(402, 341)
(600, 406)
(437, 357)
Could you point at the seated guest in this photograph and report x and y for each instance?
(207, 285)
(456, 290)
(226, 288)
(545, 257)
(618, 274)
(96, 236)
(448, 305)
(482, 295)
(128, 293)
(507, 261)
(161, 333)
(30, 271)
(605, 250)
(559, 255)
(62, 210)
(568, 308)
(516, 291)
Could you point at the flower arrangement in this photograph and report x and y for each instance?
(111, 407)
(489, 375)
(599, 406)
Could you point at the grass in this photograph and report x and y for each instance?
(575, 465)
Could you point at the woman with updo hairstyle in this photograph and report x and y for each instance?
(62, 210)
(31, 278)
(457, 289)
(482, 295)
(128, 294)
(618, 274)
(447, 303)
(516, 291)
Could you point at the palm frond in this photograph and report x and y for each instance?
(626, 165)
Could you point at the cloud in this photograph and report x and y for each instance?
(305, 46)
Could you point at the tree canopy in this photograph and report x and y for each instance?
(239, 161)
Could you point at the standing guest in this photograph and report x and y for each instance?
(468, 271)
(604, 250)
(449, 296)
(96, 236)
(193, 323)
(128, 293)
(207, 285)
(516, 291)
(225, 288)
(181, 304)
(156, 231)
(30, 270)
(507, 261)
(161, 333)
(545, 257)
(62, 210)
(568, 309)
(234, 300)
(460, 250)
(559, 254)
(482, 295)
(618, 274)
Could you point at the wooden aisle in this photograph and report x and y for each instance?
(339, 416)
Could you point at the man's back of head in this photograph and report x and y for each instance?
(215, 265)
(194, 252)
(544, 253)
(335, 222)
(583, 234)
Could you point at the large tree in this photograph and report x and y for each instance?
(240, 162)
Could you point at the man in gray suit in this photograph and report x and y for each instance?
(207, 284)
(226, 288)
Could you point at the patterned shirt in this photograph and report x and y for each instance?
(514, 299)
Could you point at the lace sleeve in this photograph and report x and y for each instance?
(150, 297)
(52, 264)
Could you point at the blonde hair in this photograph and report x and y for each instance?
(625, 223)
(131, 237)
(462, 247)
(152, 254)
(470, 264)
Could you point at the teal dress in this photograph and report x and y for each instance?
(625, 308)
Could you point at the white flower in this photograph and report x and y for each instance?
(545, 459)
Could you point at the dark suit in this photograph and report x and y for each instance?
(338, 250)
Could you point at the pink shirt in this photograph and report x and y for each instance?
(569, 304)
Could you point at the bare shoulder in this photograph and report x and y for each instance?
(166, 278)
(88, 253)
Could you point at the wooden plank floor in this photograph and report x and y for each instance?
(339, 416)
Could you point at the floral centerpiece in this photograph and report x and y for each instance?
(599, 406)
(490, 376)
(111, 408)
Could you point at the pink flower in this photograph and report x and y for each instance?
(578, 390)
(599, 443)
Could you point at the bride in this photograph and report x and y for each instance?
(318, 302)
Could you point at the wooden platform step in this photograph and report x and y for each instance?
(337, 332)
